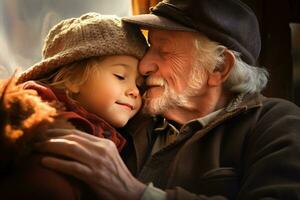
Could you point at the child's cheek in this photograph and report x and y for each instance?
(103, 98)
(107, 95)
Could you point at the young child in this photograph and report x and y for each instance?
(90, 67)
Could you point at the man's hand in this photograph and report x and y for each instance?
(93, 160)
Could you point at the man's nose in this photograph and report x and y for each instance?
(148, 65)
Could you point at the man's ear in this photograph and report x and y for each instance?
(72, 87)
(221, 73)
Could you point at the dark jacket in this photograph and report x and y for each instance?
(250, 152)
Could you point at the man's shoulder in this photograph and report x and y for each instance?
(281, 107)
(267, 115)
(275, 118)
(271, 111)
(278, 101)
(262, 105)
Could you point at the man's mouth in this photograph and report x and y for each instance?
(126, 105)
(154, 85)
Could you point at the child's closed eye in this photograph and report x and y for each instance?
(120, 77)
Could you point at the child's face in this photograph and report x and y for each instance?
(113, 93)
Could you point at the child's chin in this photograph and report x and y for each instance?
(119, 123)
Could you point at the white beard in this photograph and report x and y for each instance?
(169, 98)
(161, 104)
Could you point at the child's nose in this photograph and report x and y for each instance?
(133, 91)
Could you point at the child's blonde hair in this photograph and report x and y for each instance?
(76, 73)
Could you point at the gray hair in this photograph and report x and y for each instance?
(243, 77)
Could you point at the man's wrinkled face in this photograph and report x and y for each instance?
(169, 68)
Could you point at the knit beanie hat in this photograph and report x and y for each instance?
(90, 35)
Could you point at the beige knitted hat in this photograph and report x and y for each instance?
(88, 36)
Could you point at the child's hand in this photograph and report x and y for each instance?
(94, 160)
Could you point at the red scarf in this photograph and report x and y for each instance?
(77, 115)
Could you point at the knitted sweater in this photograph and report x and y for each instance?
(77, 115)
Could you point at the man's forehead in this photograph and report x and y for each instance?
(167, 35)
(159, 35)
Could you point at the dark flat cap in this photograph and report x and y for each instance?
(229, 22)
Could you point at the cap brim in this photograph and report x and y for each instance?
(151, 21)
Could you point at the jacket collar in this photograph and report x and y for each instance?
(242, 102)
(245, 101)
(142, 126)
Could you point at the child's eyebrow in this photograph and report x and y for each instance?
(125, 66)
(120, 64)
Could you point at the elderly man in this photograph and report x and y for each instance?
(206, 132)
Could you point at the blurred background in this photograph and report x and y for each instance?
(25, 23)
